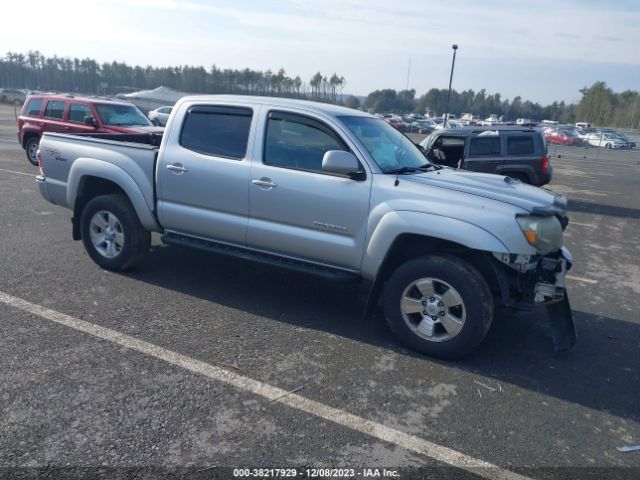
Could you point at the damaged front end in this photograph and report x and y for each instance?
(536, 279)
(527, 281)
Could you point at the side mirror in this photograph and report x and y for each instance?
(340, 162)
(89, 120)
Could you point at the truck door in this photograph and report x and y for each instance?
(203, 173)
(298, 210)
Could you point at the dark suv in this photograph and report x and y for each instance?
(513, 151)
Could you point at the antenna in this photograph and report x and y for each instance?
(408, 74)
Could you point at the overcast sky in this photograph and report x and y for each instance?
(542, 50)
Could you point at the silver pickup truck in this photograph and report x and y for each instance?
(329, 191)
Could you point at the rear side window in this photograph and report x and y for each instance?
(449, 142)
(217, 131)
(77, 112)
(33, 108)
(484, 146)
(520, 146)
(295, 141)
(55, 109)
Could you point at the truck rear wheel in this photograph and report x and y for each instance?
(112, 233)
(439, 305)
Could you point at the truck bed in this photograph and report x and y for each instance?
(129, 155)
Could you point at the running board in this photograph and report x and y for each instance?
(334, 274)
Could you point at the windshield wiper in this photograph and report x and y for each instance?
(421, 168)
(430, 166)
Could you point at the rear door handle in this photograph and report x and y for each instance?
(177, 167)
(265, 182)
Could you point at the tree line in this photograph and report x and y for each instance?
(599, 104)
(35, 71)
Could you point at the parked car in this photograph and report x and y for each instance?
(563, 137)
(450, 124)
(584, 132)
(583, 125)
(69, 114)
(159, 116)
(330, 191)
(398, 124)
(607, 140)
(517, 152)
(624, 138)
(426, 126)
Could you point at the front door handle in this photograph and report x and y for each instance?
(177, 167)
(265, 182)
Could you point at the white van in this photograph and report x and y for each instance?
(583, 125)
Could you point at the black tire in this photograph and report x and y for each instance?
(137, 239)
(608, 146)
(471, 288)
(31, 146)
(156, 122)
(519, 176)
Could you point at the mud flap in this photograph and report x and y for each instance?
(563, 328)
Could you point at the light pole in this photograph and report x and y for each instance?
(453, 64)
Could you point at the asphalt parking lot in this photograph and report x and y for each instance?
(196, 360)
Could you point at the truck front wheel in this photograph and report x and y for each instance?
(439, 305)
(112, 233)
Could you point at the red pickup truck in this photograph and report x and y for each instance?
(69, 114)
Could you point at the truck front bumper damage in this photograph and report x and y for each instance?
(536, 280)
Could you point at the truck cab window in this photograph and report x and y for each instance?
(217, 131)
(299, 144)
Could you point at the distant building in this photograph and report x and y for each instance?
(151, 99)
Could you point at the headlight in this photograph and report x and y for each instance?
(544, 233)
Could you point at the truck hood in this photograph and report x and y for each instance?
(496, 187)
(133, 129)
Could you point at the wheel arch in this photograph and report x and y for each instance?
(27, 135)
(471, 244)
(527, 170)
(104, 178)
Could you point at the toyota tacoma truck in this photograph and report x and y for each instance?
(326, 190)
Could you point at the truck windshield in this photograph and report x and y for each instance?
(122, 115)
(390, 149)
